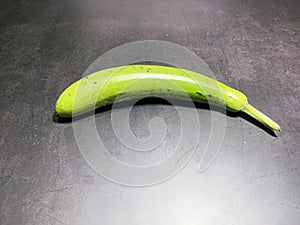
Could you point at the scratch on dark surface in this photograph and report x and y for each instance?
(56, 219)
(289, 206)
(32, 131)
(9, 180)
(197, 155)
(44, 156)
(183, 156)
(57, 171)
(243, 154)
(57, 190)
(12, 176)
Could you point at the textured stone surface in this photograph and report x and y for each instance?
(250, 45)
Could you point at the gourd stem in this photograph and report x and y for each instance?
(256, 114)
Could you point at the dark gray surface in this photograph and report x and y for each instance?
(249, 45)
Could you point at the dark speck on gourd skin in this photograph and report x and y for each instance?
(95, 82)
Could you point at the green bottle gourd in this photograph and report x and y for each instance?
(108, 86)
